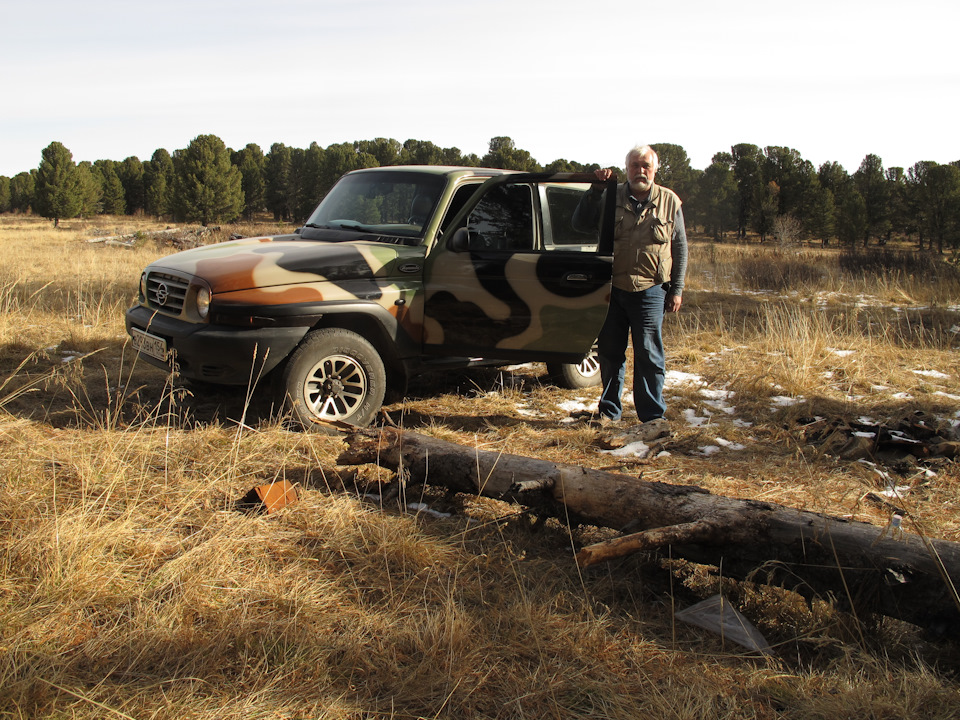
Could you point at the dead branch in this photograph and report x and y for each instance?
(697, 532)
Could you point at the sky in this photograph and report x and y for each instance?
(582, 80)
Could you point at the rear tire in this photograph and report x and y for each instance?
(334, 375)
(585, 374)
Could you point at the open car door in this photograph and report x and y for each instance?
(518, 274)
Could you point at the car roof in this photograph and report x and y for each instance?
(456, 170)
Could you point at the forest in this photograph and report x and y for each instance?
(772, 192)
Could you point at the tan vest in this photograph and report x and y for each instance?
(642, 244)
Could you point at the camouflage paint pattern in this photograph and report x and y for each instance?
(514, 301)
(271, 272)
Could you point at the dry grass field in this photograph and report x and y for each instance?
(132, 587)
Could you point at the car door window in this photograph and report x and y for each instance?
(503, 220)
(459, 200)
(559, 203)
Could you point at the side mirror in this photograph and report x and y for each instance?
(459, 241)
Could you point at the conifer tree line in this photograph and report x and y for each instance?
(771, 192)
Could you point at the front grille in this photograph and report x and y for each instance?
(166, 292)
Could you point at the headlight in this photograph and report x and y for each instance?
(203, 302)
(143, 287)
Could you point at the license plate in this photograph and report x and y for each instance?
(155, 347)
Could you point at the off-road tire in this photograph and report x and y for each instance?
(584, 374)
(334, 375)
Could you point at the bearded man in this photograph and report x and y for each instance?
(649, 265)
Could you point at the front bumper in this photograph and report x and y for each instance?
(222, 354)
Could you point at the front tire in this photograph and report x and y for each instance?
(334, 375)
(585, 374)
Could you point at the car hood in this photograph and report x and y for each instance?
(286, 260)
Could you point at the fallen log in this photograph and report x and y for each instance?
(130, 239)
(861, 567)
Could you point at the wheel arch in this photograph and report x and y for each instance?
(372, 329)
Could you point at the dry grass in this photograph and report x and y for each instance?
(132, 587)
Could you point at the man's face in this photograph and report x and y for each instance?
(641, 170)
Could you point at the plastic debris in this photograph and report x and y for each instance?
(716, 614)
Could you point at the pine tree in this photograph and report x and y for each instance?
(57, 193)
(22, 186)
(206, 186)
(874, 188)
(385, 150)
(130, 172)
(4, 193)
(750, 186)
(114, 199)
(716, 199)
(503, 153)
(675, 171)
(310, 189)
(251, 162)
(91, 191)
(158, 183)
(277, 174)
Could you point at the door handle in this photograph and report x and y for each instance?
(576, 277)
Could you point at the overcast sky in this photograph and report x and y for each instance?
(583, 80)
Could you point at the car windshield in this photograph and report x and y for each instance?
(396, 204)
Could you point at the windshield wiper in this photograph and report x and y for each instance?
(351, 225)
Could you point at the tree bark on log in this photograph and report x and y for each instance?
(861, 567)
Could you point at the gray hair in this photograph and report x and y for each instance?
(642, 150)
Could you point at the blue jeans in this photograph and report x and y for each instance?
(639, 314)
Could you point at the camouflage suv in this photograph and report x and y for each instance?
(398, 270)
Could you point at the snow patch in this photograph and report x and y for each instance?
(786, 400)
(694, 420)
(635, 449)
(931, 373)
(717, 400)
(528, 412)
(729, 444)
(674, 378)
(578, 404)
